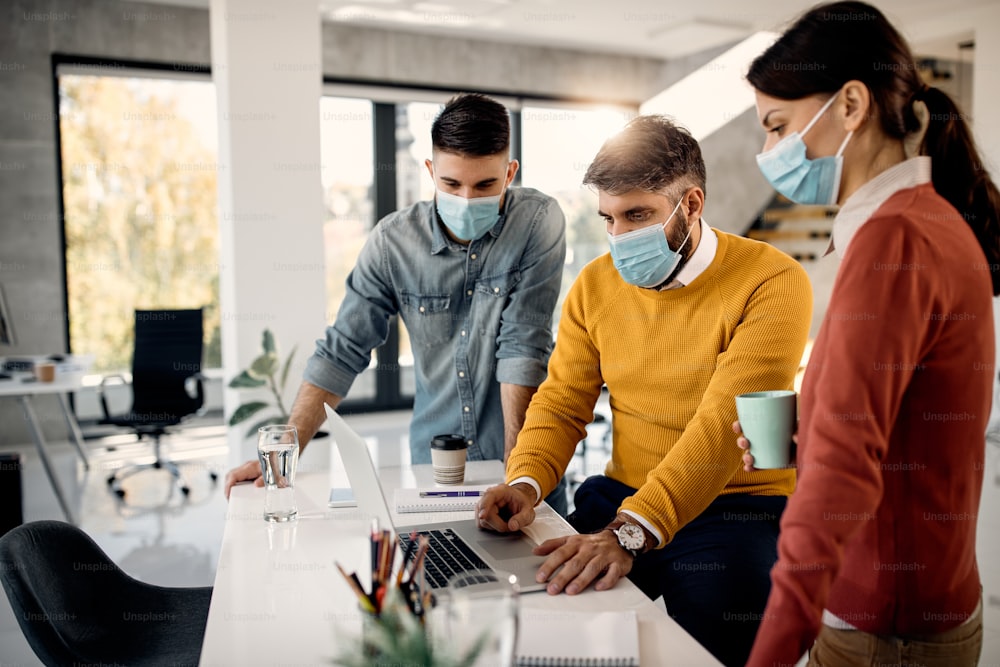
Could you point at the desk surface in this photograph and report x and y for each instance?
(278, 597)
(63, 383)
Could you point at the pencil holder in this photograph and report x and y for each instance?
(396, 636)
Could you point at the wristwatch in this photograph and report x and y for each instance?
(631, 538)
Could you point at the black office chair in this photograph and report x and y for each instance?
(76, 607)
(166, 359)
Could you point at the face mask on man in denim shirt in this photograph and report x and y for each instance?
(468, 219)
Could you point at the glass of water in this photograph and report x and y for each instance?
(278, 451)
(482, 612)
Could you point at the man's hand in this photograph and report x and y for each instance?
(505, 509)
(248, 472)
(307, 416)
(584, 559)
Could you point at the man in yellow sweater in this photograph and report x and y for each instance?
(677, 321)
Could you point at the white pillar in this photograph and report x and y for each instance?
(985, 91)
(266, 66)
(986, 127)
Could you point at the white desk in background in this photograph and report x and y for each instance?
(279, 600)
(25, 391)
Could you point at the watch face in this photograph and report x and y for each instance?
(631, 537)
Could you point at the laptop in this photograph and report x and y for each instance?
(456, 546)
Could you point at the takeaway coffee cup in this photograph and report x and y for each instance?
(45, 371)
(448, 458)
(768, 422)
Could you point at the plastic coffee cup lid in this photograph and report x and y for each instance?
(449, 441)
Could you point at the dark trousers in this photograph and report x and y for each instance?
(714, 575)
(558, 499)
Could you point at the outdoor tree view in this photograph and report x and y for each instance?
(139, 191)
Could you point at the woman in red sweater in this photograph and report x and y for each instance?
(877, 559)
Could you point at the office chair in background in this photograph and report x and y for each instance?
(76, 607)
(165, 360)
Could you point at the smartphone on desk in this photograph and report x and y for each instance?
(342, 496)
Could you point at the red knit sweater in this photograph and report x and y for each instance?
(882, 527)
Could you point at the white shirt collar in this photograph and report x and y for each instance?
(860, 206)
(700, 260)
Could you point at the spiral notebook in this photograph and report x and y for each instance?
(549, 638)
(410, 500)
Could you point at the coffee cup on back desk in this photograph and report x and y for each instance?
(45, 371)
(448, 458)
(767, 419)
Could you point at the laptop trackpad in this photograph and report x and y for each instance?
(503, 547)
(510, 552)
(500, 547)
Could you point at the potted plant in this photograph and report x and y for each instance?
(263, 371)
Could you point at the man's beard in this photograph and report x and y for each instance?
(677, 242)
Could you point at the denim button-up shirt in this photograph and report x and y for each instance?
(478, 315)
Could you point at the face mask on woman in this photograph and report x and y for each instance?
(802, 180)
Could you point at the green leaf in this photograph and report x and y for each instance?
(246, 411)
(288, 365)
(252, 431)
(245, 381)
(266, 365)
(267, 342)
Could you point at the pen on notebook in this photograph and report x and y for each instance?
(450, 494)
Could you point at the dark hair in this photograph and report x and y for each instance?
(835, 43)
(651, 153)
(472, 124)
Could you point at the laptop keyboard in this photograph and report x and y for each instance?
(447, 555)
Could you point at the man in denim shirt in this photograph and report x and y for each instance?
(475, 276)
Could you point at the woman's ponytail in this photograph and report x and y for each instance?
(960, 176)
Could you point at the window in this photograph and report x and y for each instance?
(558, 145)
(413, 184)
(347, 151)
(139, 162)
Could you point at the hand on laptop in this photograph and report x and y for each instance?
(505, 508)
(248, 472)
(584, 559)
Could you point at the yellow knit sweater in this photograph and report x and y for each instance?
(673, 362)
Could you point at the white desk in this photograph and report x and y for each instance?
(24, 392)
(279, 600)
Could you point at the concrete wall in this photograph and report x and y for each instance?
(31, 252)
(737, 191)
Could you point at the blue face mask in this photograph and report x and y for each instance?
(468, 219)
(643, 257)
(802, 180)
